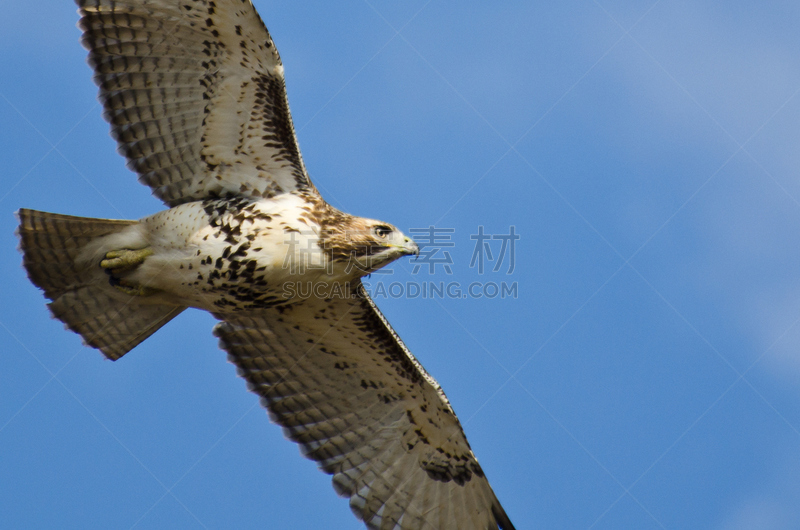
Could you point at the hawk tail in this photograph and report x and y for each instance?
(59, 256)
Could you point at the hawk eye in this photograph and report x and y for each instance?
(382, 231)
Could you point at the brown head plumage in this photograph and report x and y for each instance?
(359, 244)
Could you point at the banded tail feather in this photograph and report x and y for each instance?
(60, 256)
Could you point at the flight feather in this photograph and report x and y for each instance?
(343, 385)
(195, 95)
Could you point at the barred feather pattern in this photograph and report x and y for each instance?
(80, 292)
(195, 95)
(339, 380)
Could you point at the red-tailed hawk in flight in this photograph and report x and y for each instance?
(194, 92)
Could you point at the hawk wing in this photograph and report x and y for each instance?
(340, 381)
(195, 95)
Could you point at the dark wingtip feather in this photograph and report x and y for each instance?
(503, 522)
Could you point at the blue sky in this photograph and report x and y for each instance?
(647, 375)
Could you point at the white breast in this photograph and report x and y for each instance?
(203, 251)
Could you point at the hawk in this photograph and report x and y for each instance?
(195, 95)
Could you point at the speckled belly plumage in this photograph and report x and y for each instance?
(228, 255)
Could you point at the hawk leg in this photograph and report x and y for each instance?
(120, 261)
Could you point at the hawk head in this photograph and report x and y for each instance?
(358, 246)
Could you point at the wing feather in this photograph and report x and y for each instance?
(342, 384)
(195, 95)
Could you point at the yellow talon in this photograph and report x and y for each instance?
(124, 260)
(118, 261)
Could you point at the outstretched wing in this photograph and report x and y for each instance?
(195, 95)
(339, 380)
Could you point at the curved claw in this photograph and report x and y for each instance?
(123, 260)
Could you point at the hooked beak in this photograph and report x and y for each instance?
(410, 247)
